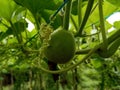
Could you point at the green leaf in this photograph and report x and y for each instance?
(107, 25)
(75, 7)
(1, 78)
(4, 24)
(57, 21)
(36, 6)
(117, 24)
(19, 26)
(115, 2)
(97, 62)
(108, 9)
(4, 71)
(7, 9)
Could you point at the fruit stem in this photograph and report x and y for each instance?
(67, 15)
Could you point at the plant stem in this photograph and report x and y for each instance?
(114, 36)
(110, 40)
(87, 14)
(73, 21)
(79, 12)
(83, 51)
(37, 22)
(67, 15)
(1, 85)
(102, 79)
(15, 32)
(53, 16)
(30, 79)
(102, 25)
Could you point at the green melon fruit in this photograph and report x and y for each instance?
(61, 47)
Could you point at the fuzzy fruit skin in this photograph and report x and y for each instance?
(61, 47)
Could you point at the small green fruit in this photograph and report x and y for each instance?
(61, 47)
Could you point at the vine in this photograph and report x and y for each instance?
(15, 32)
(53, 16)
(102, 26)
(79, 12)
(86, 16)
(67, 15)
